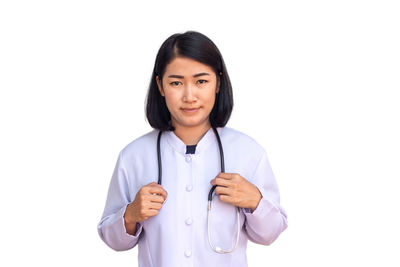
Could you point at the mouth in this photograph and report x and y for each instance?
(190, 110)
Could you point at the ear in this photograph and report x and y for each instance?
(159, 85)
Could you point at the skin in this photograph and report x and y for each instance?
(190, 90)
(147, 203)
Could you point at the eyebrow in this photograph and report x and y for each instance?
(181, 77)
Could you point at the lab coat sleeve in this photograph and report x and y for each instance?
(111, 227)
(269, 219)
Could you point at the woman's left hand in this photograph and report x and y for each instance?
(234, 189)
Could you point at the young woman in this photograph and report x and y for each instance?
(192, 191)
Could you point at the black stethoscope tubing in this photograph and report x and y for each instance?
(221, 153)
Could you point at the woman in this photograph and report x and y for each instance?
(190, 101)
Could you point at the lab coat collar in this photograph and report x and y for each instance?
(208, 138)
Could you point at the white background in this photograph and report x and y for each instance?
(316, 83)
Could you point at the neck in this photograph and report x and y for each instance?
(192, 135)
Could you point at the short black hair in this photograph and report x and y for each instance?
(199, 47)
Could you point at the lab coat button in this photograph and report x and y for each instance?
(188, 158)
(188, 253)
(189, 187)
(189, 221)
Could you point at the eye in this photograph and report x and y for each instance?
(202, 81)
(174, 83)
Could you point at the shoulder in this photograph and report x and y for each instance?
(140, 144)
(241, 141)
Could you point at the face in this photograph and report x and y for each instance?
(189, 88)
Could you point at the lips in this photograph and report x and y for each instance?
(190, 110)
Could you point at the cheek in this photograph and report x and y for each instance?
(172, 101)
(210, 98)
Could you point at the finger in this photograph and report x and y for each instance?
(221, 182)
(226, 198)
(155, 206)
(220, 190)
(157, 198)
(225, 175)
(153, 183)
(152, 212)
(158, 190)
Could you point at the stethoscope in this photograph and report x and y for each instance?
(210, 195)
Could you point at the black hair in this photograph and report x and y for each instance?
(199, 47)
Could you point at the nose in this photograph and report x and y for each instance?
(189, 93)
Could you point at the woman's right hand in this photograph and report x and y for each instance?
(148, 201)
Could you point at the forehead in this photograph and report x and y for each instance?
(186, 66)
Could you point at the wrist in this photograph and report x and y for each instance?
(129, 220)
(256, 202)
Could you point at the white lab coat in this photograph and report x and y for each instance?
(177, 235)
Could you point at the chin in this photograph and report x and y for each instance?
(190, 123)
